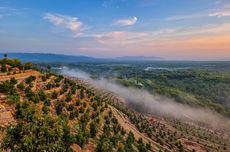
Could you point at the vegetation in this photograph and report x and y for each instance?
(54, 113)
(199, 84)
(35, 131)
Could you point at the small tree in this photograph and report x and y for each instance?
(48, 68)
(13, 81)
(21, 86)
(93, 129)
(104, 144)
(3, 68)
(78, 102)
(28, 66)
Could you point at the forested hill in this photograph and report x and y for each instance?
(48, 58)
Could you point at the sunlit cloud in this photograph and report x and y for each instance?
(121, 37)
(165, 34)
(71, 23)
(126, 22)
(203, 41)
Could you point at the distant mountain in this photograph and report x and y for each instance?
(48, 58)
(138, 58)
(42, 57)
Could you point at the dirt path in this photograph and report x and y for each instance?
(20, 76)
(128, 126)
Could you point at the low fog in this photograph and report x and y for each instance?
(154, 104)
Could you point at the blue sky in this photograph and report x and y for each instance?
(171, 29)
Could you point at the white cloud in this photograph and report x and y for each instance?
(9, 11)
(184, 17)
(71, 23)
(126, 22)
(220, 14)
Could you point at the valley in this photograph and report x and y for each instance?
(43, 111)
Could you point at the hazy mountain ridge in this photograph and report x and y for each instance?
(134, 58)
(49, 57)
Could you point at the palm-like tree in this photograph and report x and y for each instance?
(5, 55)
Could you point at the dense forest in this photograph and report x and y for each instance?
(205, 84)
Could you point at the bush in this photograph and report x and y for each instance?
(70, 107)
(54, 95)
(78, 102)
(30, 79)
(21, 86)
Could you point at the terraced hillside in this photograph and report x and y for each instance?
(41, 111)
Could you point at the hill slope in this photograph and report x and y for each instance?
(48, 112)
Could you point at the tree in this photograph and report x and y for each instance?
(141, 146)
(30, 79)
(70, 107)
(94, 105)
(54, 95)
(8, 88)
(104, 145)
(68, 97)
(78, 102)
(93, 129)
(3, 68)
(48, 68)
(16, 63)
(35, 98)
(148, 146)
(82, 137)
(5, 55)
(47, 102)
(45, 109)
(15, 98)
(42, 95)
(21, 86)
(28, 66)
(81, 110)
(130, 139)
(44, 78)
(58, 107)
(68, 138)
(13, 81)
(82, 93)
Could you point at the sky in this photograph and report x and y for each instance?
(170, 29)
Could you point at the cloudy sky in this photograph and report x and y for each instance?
(171, 29)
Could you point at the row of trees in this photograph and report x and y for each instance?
(13, 63)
